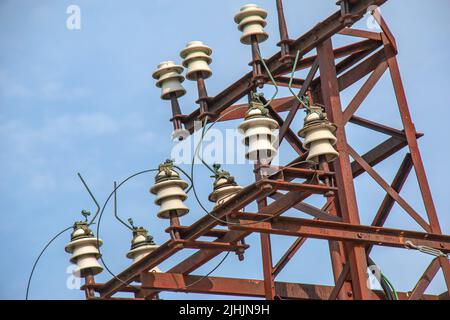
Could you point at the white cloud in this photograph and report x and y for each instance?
(10, 88)
(41, 182)
(24, 137)
(50, 90)
(54, 90)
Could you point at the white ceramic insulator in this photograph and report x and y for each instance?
(319, 141)
(138, 253)
(85, 254)
(251, 21)
(223, 193)
(169, 79)
(260, 139)
(170, 196)
(197, 58)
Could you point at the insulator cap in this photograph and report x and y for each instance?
(169, 79)
(84, 249)
(224, 188)
(169, 189)
(251, 21)
(197, 58)
(258, 129)
(141, 245)
(319, 135)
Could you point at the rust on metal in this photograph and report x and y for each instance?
(338, 222)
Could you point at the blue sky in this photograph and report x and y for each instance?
(84, 101)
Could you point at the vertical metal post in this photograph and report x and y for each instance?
(176, 111)
(266, 248)
(174, 222)
(256, 63)
(266, 251)
(89, 280)
(284, 36)
(411, 138)
(202, 96)
(336, 248)
(344, 179)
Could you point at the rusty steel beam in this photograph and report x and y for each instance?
(410, 132)
(238, 111)
(177, 282)
(360, 34)
(377, 127)
(353, 52)
(284, 82)
(266, 249)
(202, 256)
(229, 286)
(291, 115)
(360, 71)
(388, 202)
(378, 154)
(287, 103)
(364, 91)
(309, 209)
(402, 202)
(397, 184)
(425, 280)
(346, 204)
(341, 231)
(288, 255)
(292, 137)
(340, 282)
(386, 31)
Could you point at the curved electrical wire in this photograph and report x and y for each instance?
(39, 257)
(210, 272)
(390, 285)
(271, 79)
(386, 285)
(102, 211)
(294, 67)
(60, 233)
(100, 218)
(187, 176)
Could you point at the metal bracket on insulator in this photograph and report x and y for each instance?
(426, 250)
(346, 15)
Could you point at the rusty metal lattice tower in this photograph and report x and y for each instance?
(338, 222)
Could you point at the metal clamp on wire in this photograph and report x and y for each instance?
(425, 249)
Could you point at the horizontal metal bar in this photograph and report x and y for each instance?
(377, 127)
(279, 105)
(312, 188)
(340, 231)
(360, 33)
(177, 282)
(225, 246)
